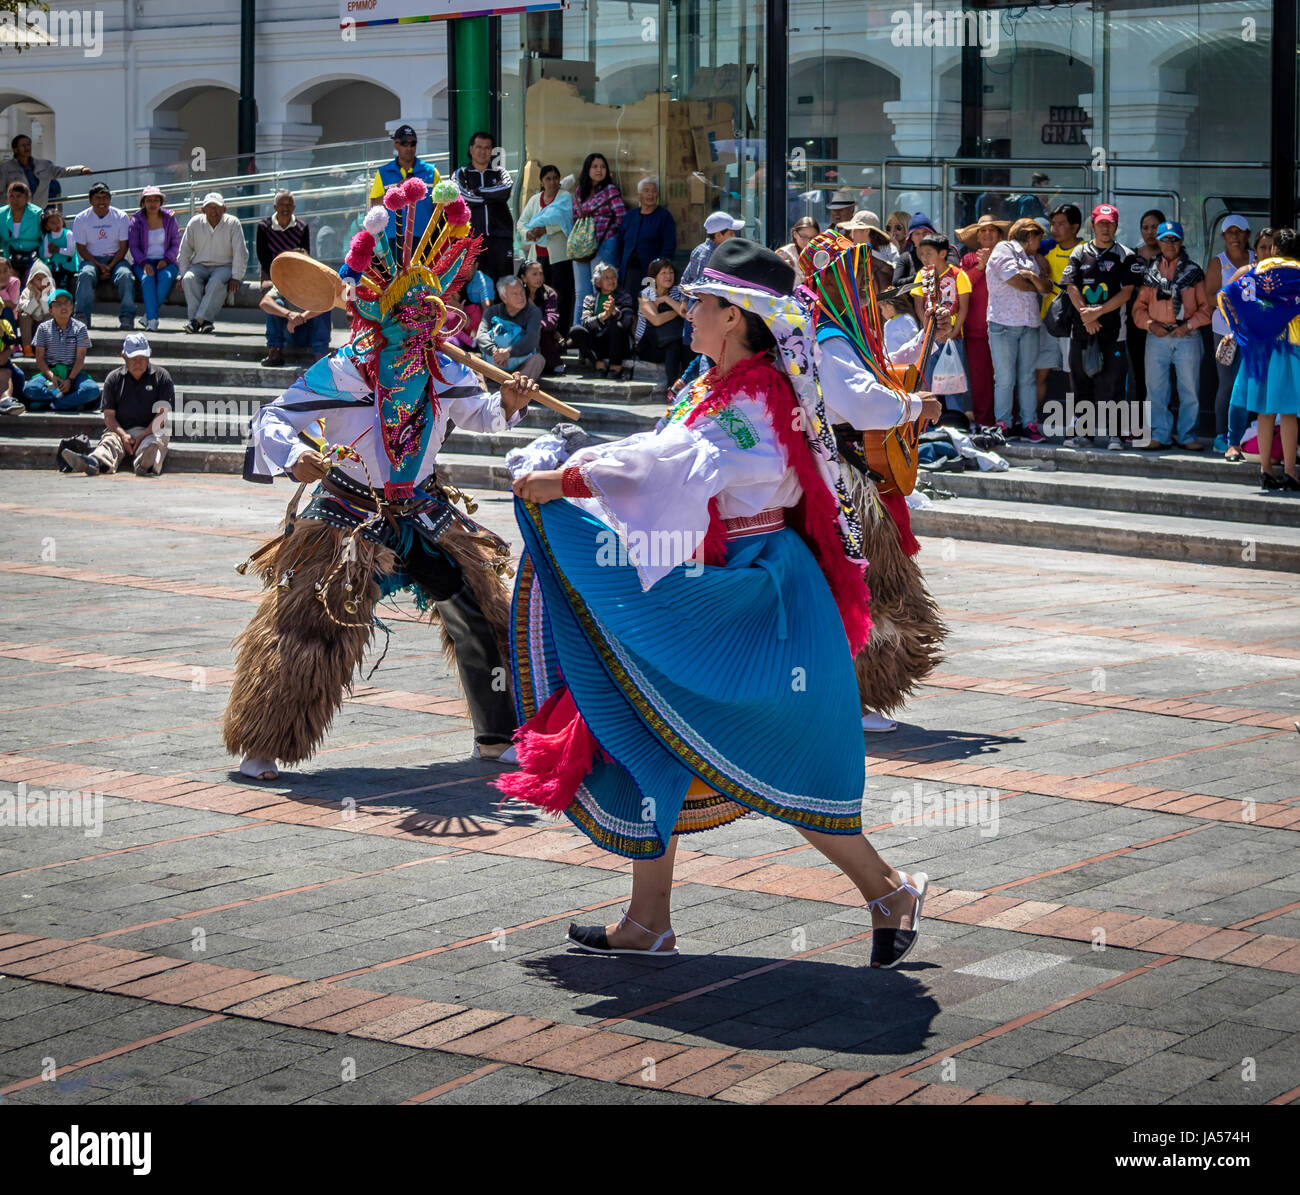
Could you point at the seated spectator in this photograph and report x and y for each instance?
(281, 231)
(20, 230)
(138, 397)
(59, 248)
(661, 319)
(34, 302)
(648, 232)
(1016, 283)
(511, 330)
(11, 377)
(10, 289)
(61, 345)
(100, 236)
(801, 232)
(547, 300)
(38, 173)
(212, 260)
(154, 238)
(1171, 308)
(285, 321)
(473, 313)
(604, 335)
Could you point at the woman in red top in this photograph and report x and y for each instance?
(979, 238)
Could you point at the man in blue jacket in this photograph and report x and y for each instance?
(403, 166)
(648, 232)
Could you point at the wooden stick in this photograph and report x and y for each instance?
(497, 374)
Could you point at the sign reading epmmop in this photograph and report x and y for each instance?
(391, 12)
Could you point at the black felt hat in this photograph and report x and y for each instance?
(745, 265)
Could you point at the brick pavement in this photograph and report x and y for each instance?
(380, 927)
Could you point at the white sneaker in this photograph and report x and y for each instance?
(153, 325)
(1076, 442)
(878, 723)
(495, 752)
(11, 406)
(1115, 445)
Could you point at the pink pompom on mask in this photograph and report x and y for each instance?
(457, 212)
(361, 251)
(413, 190)
(394, 199)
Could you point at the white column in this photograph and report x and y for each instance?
(923, 128)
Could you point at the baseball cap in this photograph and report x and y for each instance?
(1235, 222)
(404, 132)
(61, 294)
(1104, 211)
(722, 222)
(213, 197)
(1170, 228)
(151, 189)
(136, 345)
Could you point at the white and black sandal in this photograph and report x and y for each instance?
(594, 940)
(890, 946)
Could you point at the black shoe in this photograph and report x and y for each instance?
(889, 947)
(1268, 483)
(1289, 484)
(206, 326)
(558, 371)
(191, 326)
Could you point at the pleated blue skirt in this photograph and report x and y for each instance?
(737, 677)
(1277, 392)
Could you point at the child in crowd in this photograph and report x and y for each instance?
(58, 250)
(11, 377)
(473, 317)
(9, 289)
(943, 283)
(34, 302)
(900, 324)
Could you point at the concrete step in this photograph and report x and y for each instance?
(1207, 465)
(1161, 537)
(1235, 501)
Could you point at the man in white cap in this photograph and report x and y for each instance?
(718, 227)
(212, 259)
(137, 399)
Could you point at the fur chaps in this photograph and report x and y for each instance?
(907, 631)
(294, 664)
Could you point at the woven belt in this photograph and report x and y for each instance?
(343, 486)
(772, 519)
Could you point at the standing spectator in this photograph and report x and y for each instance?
(212, 260)
(61, 345)
(285, 321)
(37, 173)
(896, 226)
(1147, 250)
(840, 206)
(1099, 278)
(100, 234)
(1054, 351)
(546, 221)
(511, 331)
(1032, 204)
(647, 233)
(1228, 424)
(979, 238)
(942, 283)
(909, 261)
(662, 318)
(486, 188)
(20, 229)
(1264, 244)
(403, 166)
(801, 232)
(1015, 281)
(59, 248)
(547, 300)
(155, 239)
(280, 232)
(597, 196)
(138, 397)
(34, 302)
(1171, 307)
(11, 377)
(719, 227)
(606, 327)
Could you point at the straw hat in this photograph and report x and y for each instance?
(306, 282)
(969, 234)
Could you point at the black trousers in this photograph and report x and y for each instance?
(484, 675)
(669, 354)
(1108, 386)
(559, 274)
(497, 258)
(610, 344)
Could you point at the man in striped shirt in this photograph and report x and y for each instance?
(61, 344)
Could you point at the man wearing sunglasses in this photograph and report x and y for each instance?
(403, 166)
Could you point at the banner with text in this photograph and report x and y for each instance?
(353, 13)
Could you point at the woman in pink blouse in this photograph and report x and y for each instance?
(597, 196)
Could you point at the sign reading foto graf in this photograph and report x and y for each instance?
(391, 12)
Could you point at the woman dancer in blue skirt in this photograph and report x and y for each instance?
(686, 616)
